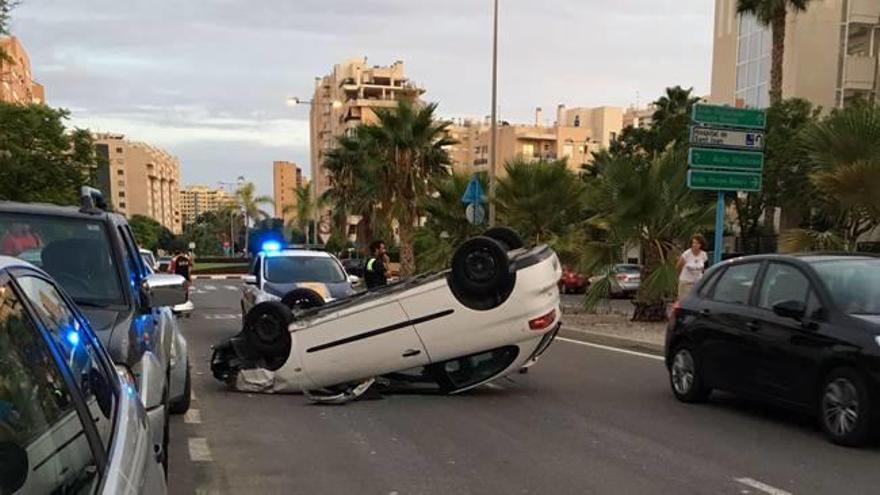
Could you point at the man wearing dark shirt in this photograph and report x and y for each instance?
(182, 265)
(376, 271)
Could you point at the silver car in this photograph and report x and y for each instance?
(70, 421)
(625, 279)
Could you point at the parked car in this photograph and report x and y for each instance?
(149, 259)
(493, 313)
(70, 422)
(92, 254)
(572, 282)
(279, 274)
(800, 331)
(163, 264)
(183, 310)
(625, 280)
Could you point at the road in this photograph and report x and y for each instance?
(585, 420)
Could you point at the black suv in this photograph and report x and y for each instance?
(92, 254)
(802, 331)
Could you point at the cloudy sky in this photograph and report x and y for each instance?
(207, 79)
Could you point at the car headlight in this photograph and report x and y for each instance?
(877, 339)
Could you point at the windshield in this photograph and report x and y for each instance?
(292, 269)
(75, 252)
(854, 284)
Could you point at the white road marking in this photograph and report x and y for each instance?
(209, 287)
(193, 417)
(231, 287)
(609, 348)
(192, 396)
(199, 450)
(763, 487)
(199, 291)
(221, 316)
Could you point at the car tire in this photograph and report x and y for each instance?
(686, 377)
(265, 329)
(480, 268)
(506, 236)
(181, 406)
(300, 299)
(845, 409)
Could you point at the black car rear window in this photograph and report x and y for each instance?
(854, 284)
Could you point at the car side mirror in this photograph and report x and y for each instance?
(14, 469)
(790, 309)
(161, 289)
(354, 279)
(249, 279)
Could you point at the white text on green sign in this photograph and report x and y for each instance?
(729, 116)
(720, 180)
(726, 159)
(726, 138)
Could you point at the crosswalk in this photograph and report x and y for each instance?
(208, 288)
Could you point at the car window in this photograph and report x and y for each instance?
(783, 283)
(40, 431)
(291, 269)
(707, 283)
(132, 256)
(735, 284)
(75, 252)
(77, 345)
(854, 284)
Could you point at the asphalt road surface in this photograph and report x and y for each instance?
(585, 420)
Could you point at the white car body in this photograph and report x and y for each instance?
(419, 323)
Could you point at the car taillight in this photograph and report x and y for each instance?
(622, 277)
(542, 322)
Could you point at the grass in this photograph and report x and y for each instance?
(199, 267)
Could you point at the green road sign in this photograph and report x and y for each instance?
(720, 180)
(726, 159)
(748, 118)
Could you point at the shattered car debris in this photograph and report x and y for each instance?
(493, 313)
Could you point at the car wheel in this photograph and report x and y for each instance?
(265, 328)
(299, 299)
(506, 236)
(845, 408)
(480, 268)
(181, 406)
(685, 376)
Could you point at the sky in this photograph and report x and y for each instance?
(208, 79)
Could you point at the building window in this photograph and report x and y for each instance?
(613, 136)
(122, 204)
(577, 121)
(120, 172)
(121, 194)
(528, 150)
(120, 183)
(753, 63)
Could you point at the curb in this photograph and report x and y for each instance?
(217, 277)
(576, 333)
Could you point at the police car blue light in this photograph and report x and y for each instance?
(271, 247)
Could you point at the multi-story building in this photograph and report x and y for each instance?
(286, 178)
(639, 117)
(576, 134)
(140, 179)
(347, 97)
(830, 54)
(16, 83)
(195, 200)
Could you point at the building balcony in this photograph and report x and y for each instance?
(860, 72)
(867, 11)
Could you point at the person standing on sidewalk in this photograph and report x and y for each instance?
(376, 271)
(691, 266)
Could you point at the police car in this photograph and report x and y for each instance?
(296, 276)
(491, 314)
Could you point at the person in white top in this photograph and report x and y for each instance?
(691, 266)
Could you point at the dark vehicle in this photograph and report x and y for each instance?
(92, 254)
(801, 331)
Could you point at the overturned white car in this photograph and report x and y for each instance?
(493, 313)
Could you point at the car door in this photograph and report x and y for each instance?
(726, 350)
(789, 349)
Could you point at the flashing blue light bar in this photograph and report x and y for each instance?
(271, 247)
(73, 337)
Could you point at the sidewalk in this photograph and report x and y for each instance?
(614, 330)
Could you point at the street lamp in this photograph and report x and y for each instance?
(493, 152)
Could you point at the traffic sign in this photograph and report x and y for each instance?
(727, 138)
(722, 180)
(726, 159)
(475, 213)
(474, 192)
(748, 118)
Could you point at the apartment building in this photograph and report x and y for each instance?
(639, 117)
(830, 54)
(16, 82)
(347, 97)
(140, 179)
(286, 177)
(575, 135)
(196, 200)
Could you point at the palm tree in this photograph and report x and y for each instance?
(303, 209)
(772, 14)
(446, 225)
(409, 148)
(250, 204)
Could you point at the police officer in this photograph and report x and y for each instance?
(182, 265)
(376, 271)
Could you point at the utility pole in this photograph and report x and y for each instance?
(493, 144)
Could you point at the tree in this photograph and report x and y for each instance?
(669, 126)
(39, 160)
(409, 146)
(772, 14)
(446, 226)
(152, 235)
(250, 203)
(303, 210)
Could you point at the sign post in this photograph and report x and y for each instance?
(727, 154)
(474, 198)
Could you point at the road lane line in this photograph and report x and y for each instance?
(764, 487)
(193, 417)
(199, 450)
(209, 287)
(231, 287)
(609, 348)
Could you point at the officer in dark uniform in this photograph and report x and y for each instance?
(376, 271)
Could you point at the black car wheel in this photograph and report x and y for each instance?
(480, 268)
(299, 299)
(845, 408)
(685, 376)
(181, 406)
(266, 328)
(506, 236)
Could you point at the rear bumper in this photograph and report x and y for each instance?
(544, 344)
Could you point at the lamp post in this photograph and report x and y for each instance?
(493, 145)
